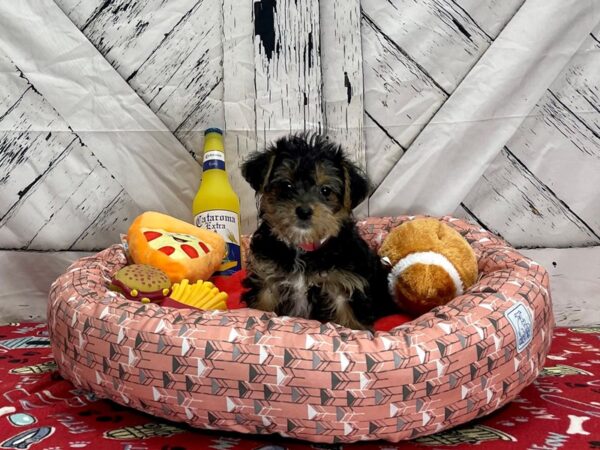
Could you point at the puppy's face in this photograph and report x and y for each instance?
(304, 200)
(307, 188)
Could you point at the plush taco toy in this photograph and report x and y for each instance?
(431, 264)
(180, 249)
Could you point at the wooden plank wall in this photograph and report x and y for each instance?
(173, 58)
(170, 54)
(342, 72)
(543, 189)
(372, 79)
(525, 195)
(287, 64)
(303, 77)
(55, 192)
(239, 81)
(411, 70)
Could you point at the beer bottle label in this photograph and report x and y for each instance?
(226, 223)
(214, 159)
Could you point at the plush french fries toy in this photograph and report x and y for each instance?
(201, 295)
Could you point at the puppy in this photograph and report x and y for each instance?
(306, 257)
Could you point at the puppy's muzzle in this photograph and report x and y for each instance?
(304, 212)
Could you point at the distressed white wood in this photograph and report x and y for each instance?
(126, 32)
(574, 283)
(399, 96)
(182, 79)
(382, 153)
(45, 170)
(105, 229)
(82, 11)
(239, 101)
(32, 137)
(436, 34)
(34, 158)
(513, 202)
(490, 15)
(73, 194)
(206, 113)
(578, 86)
(565, 156)
(12, 88)
(108, 116)
(170, 53)
(485, 110)
(47, 200)
(559, 145)
(342, 72)
(288, 68)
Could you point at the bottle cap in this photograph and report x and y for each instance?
(213, 130)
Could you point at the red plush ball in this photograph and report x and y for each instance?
(233, 286)
(388, 322)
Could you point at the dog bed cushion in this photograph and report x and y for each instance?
(252, 372)
(45, 411)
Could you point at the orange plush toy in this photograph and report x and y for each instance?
(431, 264)
(181, 250)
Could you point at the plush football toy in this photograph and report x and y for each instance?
(431, 264)
(180, 249)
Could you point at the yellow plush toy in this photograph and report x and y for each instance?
(431, 264)
(201, 295)
(178, 248)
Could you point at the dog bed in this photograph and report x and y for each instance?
(252, 372)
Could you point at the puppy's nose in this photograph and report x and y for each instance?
(304, 212)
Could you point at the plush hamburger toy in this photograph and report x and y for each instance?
(431, 264)
(141, 282)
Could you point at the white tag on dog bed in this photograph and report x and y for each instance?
(124, 242)
(521, 321)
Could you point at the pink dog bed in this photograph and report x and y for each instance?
(252, 372)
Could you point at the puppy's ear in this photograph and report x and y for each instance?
(356, 185)
(257, 169)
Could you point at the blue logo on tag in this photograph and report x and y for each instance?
(521, 321)
(213, 164)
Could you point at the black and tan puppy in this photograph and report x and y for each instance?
(306, 257)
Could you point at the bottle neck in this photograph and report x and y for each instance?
(213, 159)
(213, 163)
(213, 167)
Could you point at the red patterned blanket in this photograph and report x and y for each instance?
(39, 410)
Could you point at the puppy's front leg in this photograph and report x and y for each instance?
(358, 307)
(345, 316)
(266, 300)
(257, 295)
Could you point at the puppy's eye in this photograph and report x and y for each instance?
(325, 191)
(287, 186)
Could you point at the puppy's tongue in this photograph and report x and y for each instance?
(311, 246)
